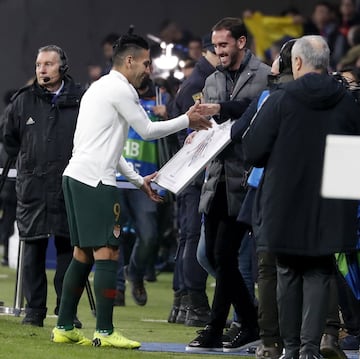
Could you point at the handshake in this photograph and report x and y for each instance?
(198, 115)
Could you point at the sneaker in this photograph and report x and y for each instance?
(115, 340)
(207, 340)
(269, 352)
(350, 342)
(73, 336)
(245, 336)
(330, 348)
(231, 333)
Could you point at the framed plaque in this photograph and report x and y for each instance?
(193, 157)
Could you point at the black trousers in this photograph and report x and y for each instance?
(267, 308)
(223, 235)
(303, 291)
(34, 272)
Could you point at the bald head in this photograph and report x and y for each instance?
(310, 54)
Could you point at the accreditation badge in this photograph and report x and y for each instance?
(197, 96)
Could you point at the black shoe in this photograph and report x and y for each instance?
(77, 323)
(173, 314)
(198, 311)
(244, 336)
(175, 308)
(119, 299)
(34, 320)
(197, 317)
(272, 351)
(231, 333)
(330, 348)
(138, 293)
(309, 355)
(207, 340)
(184, 306)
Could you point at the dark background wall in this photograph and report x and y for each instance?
(78, 26)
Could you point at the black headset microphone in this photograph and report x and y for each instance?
(46, 79)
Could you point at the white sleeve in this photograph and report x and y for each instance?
(135, 115)
(126, 170)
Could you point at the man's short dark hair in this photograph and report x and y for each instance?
(235, 25)
(126, 44)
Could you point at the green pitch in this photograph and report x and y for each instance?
(144, 324)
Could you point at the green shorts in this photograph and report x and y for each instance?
(93, 214)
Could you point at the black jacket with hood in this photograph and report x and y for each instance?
(39, 134)
(287, 137)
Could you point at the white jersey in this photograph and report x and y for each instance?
(107, 109)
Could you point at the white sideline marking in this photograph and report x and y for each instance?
(154, 320)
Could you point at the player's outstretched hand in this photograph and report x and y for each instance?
(146, 187)
(209, 109)
(196, 120)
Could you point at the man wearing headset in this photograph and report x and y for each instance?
(38, 132)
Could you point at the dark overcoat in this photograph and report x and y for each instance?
(287, 137)
(39, 133)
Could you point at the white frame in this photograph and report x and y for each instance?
(341, 174)
(193, 157)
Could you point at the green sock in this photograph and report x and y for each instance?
(73, 286)
(105, 290)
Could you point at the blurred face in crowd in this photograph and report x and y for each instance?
(195, 50)
(322, 15)
(108, 51)
(347, 8)
(229, 50)
(47, 70)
